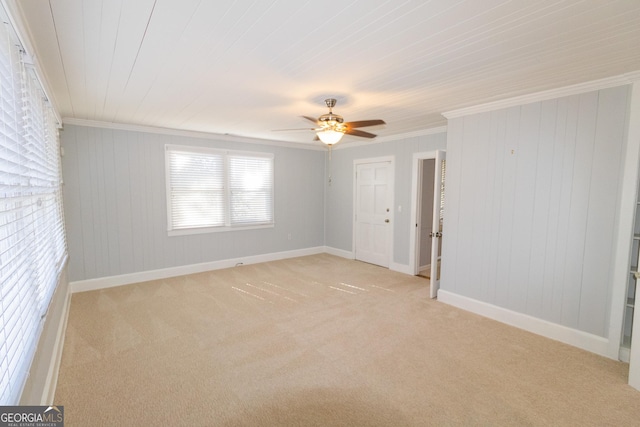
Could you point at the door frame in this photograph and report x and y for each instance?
(416, 201)
(391, 184)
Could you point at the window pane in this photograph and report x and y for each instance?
(196, 189)
(251, 189)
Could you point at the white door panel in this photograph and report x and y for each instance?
(436, 241)
(373, 213)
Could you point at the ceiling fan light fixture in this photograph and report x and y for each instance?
(330, 136)
(331, 127)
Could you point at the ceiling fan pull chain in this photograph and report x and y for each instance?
(330, 164)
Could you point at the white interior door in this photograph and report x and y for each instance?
(425, 213)
(436, 234)
(373, 212)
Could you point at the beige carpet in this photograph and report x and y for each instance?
(319, 341)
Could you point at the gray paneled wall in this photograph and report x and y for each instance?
(115, 204)
(339, 219)
(531, 207)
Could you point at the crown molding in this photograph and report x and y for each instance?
(422, 132)
(391, 138)
(620, 80)
(187, 133)
(236, 138)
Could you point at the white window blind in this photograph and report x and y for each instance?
(196, 190)
(214, 190)
(250, 189)
(32, 239)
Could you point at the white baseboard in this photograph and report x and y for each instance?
(164, 273)
(49, 391)
(400, 268)
(339, 252)
(624, 354)
(574, 337)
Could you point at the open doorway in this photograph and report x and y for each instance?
(427, 211)
(425, 223)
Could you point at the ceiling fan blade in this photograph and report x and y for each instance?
(356, 132)
(310, 119)
(364, 123)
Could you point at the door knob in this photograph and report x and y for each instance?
(386, 220)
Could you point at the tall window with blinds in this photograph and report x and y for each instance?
(196, 189)
(213, 190)
(250, 189)
(32, 238)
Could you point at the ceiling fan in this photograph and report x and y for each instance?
(331, 127)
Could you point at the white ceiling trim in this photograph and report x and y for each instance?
(620, 80)
(187, 133)
(423, 132)
(392, 138)
(235, 138)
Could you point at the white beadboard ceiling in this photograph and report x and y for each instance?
(248, 67)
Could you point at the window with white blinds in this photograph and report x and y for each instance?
(196, 190)
(213, 190)
(32, 238)
(250, 189)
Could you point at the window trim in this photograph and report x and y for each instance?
(226, 154)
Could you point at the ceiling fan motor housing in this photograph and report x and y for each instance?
(331, 120)
(330, 117)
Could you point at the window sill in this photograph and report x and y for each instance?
(205, 230)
